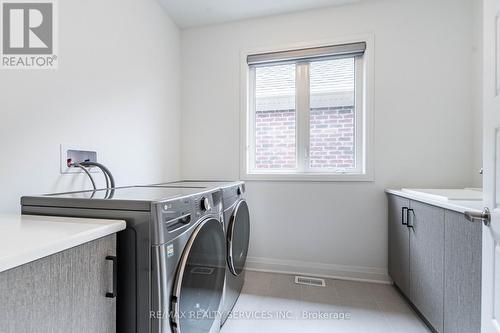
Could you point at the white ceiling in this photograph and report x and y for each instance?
(191, 13)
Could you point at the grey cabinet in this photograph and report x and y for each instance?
(64, 292)
(427, 261)
(443, 266)
(399, 243)
(462, 274)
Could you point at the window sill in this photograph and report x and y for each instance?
(308, 177)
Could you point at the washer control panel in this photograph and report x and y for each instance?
(175, 216)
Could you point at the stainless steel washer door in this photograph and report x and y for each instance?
(199, 280)
(238, 235)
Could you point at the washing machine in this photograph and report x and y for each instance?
(171, 257)
(237, 228)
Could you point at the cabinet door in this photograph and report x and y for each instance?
(462, 274)
(427, 261)
(92, 279)
(61, 293)
(399, 245)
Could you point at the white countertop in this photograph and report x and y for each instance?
(456, 205)
(25, 238)
(461, 194)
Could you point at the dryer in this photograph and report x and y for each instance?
(188, 265)
(237, 228)
(171, 256)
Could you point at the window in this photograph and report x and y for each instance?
(275, 144)
(306, 113)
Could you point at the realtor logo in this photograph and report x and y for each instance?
(28, 34)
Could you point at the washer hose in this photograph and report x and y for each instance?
(107, 174)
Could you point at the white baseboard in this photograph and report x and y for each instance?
(343, 272)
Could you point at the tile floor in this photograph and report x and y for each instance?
(273, 303)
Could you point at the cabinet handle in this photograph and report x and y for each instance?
(404, 215)
(112, 294)
(408, 217)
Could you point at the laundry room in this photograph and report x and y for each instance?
(233, 166)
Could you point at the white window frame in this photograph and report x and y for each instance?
(364, 110)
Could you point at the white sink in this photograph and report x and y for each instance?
(466, 194)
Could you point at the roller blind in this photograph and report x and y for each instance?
(335, 51)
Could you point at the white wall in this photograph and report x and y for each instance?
(423, 135)
(477, 94)
(116, 89)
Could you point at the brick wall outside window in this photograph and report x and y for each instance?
(331, 138)
(275, 139)
(331, 116)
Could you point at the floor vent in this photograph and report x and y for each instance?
(310, 281)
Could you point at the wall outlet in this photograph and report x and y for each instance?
(76, 154)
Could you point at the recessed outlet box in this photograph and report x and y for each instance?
(80, 156)
(76, 154)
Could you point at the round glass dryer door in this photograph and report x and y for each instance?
(238, 235)
(200, 279)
